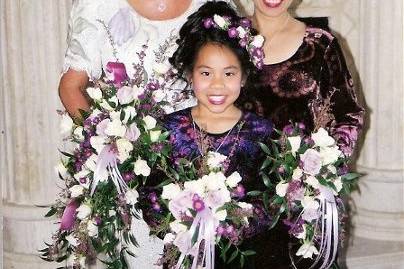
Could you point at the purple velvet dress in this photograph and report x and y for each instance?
(298, 90)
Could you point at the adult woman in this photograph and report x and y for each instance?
(116, 31)
(304, 79)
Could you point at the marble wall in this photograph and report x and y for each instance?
(32, 40)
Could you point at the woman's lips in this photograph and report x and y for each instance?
(273, 3)
(216, 99)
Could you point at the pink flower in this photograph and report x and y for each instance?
(311, 160)
(125, 95)
(132, 133)
(118, 72)
(69, 216)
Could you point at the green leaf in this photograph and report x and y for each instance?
(51, 212)
(267, 180)
(265, 148)
(254, 193)
(233, 256)
(350, 176)
(249, 252)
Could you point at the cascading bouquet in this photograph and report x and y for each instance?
(116, 146)
(204, 211)
(308, 174)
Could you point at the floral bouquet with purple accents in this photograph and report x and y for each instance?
(203, 211)
(305, 175)
(115, 148)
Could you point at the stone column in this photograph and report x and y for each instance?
(33, 38)
(380, 205)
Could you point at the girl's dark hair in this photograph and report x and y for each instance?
(193, 36)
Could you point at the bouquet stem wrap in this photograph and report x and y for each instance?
(329, 229)
(107, 164)
(205, 225)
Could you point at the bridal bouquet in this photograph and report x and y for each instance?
(306, 174)
(116, 146)
(204, 211)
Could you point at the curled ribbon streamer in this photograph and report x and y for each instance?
(207, 224)
(329, 229)
(107, 163)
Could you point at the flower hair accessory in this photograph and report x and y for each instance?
(252, 43)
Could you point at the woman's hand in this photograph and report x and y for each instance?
(71, 92)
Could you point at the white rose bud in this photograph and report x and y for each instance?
(125, 95)
(141, 168)
(76, 191)
(124, 147)
(94, 93)
(115, 128)
(233, 180)
(66, 125)
(281, 189)
(150, 122)
(177, 227)
(297, 173)
(131, 197)
(83, 211)
(78, 133)
(130, 113)
(92, 229)
(170, 191)
(220, 21)
(105, 105)
(91, 162)
(111, 213)
(221, 215)
(241, 32)
(159, 95)
(169, 238)
(137, 91)
(72, 240)
(98, 143)
(154, 135)
(258, 41)
(294, 143)
(322, 139)
(61, 169)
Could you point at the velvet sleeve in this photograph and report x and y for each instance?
(345, 109)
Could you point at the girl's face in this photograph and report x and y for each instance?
(217, 77)
(272, 8)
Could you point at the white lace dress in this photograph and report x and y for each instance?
(101, 31)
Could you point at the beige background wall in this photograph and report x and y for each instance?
(32, 40)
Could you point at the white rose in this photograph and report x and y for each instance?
(258, 41)
(330, 155)
(114, 100)
(131, 197)
(94, 93)
(125, 95)
(241, 32)
(82, 262)
(215, 159)
(98, 143)
(72, 240)
(297, 173)
(159, 96)
(332, 169)
(322, 139)
(61, 169)
(281, 189)
(141, 168)
(66, 125)
(76, 191)
(161, 68)
(170, 191)
(313, 181)
(83, 211)
(95, 113)
(195, 186)
(91, 162)
(169, 238)
(150, 122)
(221, 215)
(81, 174)
(124, 147)
(154, 135)
(177, 227)
(78, 133)
(132, 133)
(295, 143)
(92, 229)
(220, 21)
(115, 115)
(137, 91)
(130, 113)
(233, 180)
(115, 128)
(216, 181)
(307, 250)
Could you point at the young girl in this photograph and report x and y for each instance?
(214, 60)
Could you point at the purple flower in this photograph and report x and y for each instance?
(295, 190)
(239, 191)
(232, 32)
(128, 176)
(258, 52)
(69, 216)
(243, 42)
(198, 205)
(245, 23)
(301, 126)
(281, 169)
(311, 160)
(288, 129)
(207, 23)
(97, 220)
(156, 207)
(152, 86)
(152, 197)
(118, 71)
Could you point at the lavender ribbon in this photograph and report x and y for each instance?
(107, 163)
(207, 224)
(329, 229)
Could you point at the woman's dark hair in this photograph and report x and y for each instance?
(193, 36)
